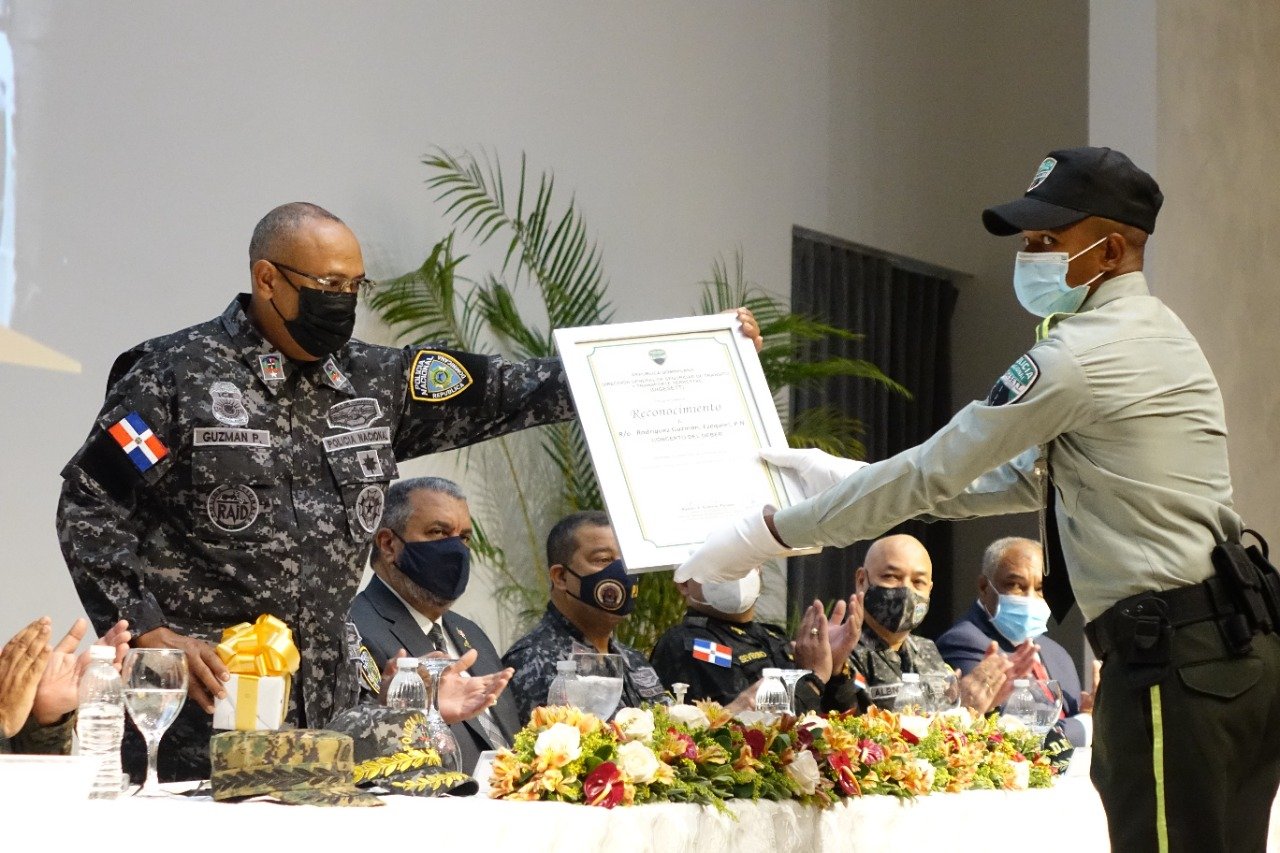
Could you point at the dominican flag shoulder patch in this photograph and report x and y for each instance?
(138, 441)
(713, 653)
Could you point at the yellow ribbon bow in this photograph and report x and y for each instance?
(262, 649)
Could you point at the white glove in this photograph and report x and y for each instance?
(817, 470)
(732, 551)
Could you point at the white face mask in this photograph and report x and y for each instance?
(1040, 281)
(732, 596)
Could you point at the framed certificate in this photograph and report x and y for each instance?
(675, 412)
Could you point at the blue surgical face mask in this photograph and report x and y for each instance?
(1021, 617)
(1040, 281)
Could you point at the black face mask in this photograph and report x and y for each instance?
(324, 322)
(611, 589)
(896, 608)
(442, 566)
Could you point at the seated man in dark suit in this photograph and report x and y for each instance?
(1009, 611)
(421, 561)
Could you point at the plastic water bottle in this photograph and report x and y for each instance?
(100, 720)
(408, 692)
(911, 695)
(771, 695)
(558, 692)
(1022, 702)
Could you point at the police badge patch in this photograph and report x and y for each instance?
(228, 404)
(353, 414)
(369, 507)
(233, 507)
(1015, 383)
(436, 376)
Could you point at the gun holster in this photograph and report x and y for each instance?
(1143, 635)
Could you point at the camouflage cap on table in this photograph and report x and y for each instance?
(393, 751)
(298, 767)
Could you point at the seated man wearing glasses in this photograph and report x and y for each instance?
(240, 467)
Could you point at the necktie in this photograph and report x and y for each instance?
(1039, 673)
(435, 637)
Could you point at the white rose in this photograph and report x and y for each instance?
(638, 762)
(917, 725)
(560, 739)
(804, 770)
(636, 724)
(813, 721)
(959, 717)
(926, 767)
(751, 716)
(689, 715)
(1010, 723)
(1021, 775)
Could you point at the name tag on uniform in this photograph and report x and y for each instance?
(358, 438)
(230, 437)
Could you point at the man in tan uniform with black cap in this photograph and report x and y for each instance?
(1113, 425)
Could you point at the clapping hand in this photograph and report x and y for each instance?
(57, 693)
(22, 662)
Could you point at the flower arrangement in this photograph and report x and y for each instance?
(702, 754)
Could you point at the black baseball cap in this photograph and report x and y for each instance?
(1075, 183)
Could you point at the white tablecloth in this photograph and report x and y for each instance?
(1065, 818)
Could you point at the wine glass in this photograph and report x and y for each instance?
(1046, 708)
(155, 686)
(442, 739)
(791, 677)
(598, 687)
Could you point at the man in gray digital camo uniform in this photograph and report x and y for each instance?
(239, 467)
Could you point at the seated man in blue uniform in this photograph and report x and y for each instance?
(422, 562)
(1010, 610)
(720, 650)
(591, 593)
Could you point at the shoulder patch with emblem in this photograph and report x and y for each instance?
(353, 414)
(370, 677)
(437, 376)
(1015, 382)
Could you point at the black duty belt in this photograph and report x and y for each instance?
(1184, 606)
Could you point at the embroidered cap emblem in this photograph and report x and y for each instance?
(1043, 172)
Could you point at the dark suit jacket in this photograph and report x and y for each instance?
(386, 626)
(965, 643)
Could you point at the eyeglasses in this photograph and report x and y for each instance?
(332, 283)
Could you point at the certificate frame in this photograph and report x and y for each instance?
(711, 408)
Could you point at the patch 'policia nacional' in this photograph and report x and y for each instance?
(1015, 383)
(436, 376)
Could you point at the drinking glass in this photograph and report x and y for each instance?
(442, 739)
(598, 688)
(155, 686)
(942, 691)
(1046, 709)
(791, 677)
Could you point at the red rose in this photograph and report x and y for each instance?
(603, 786)
(755, 741)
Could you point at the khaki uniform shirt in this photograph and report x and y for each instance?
(1122, 404)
